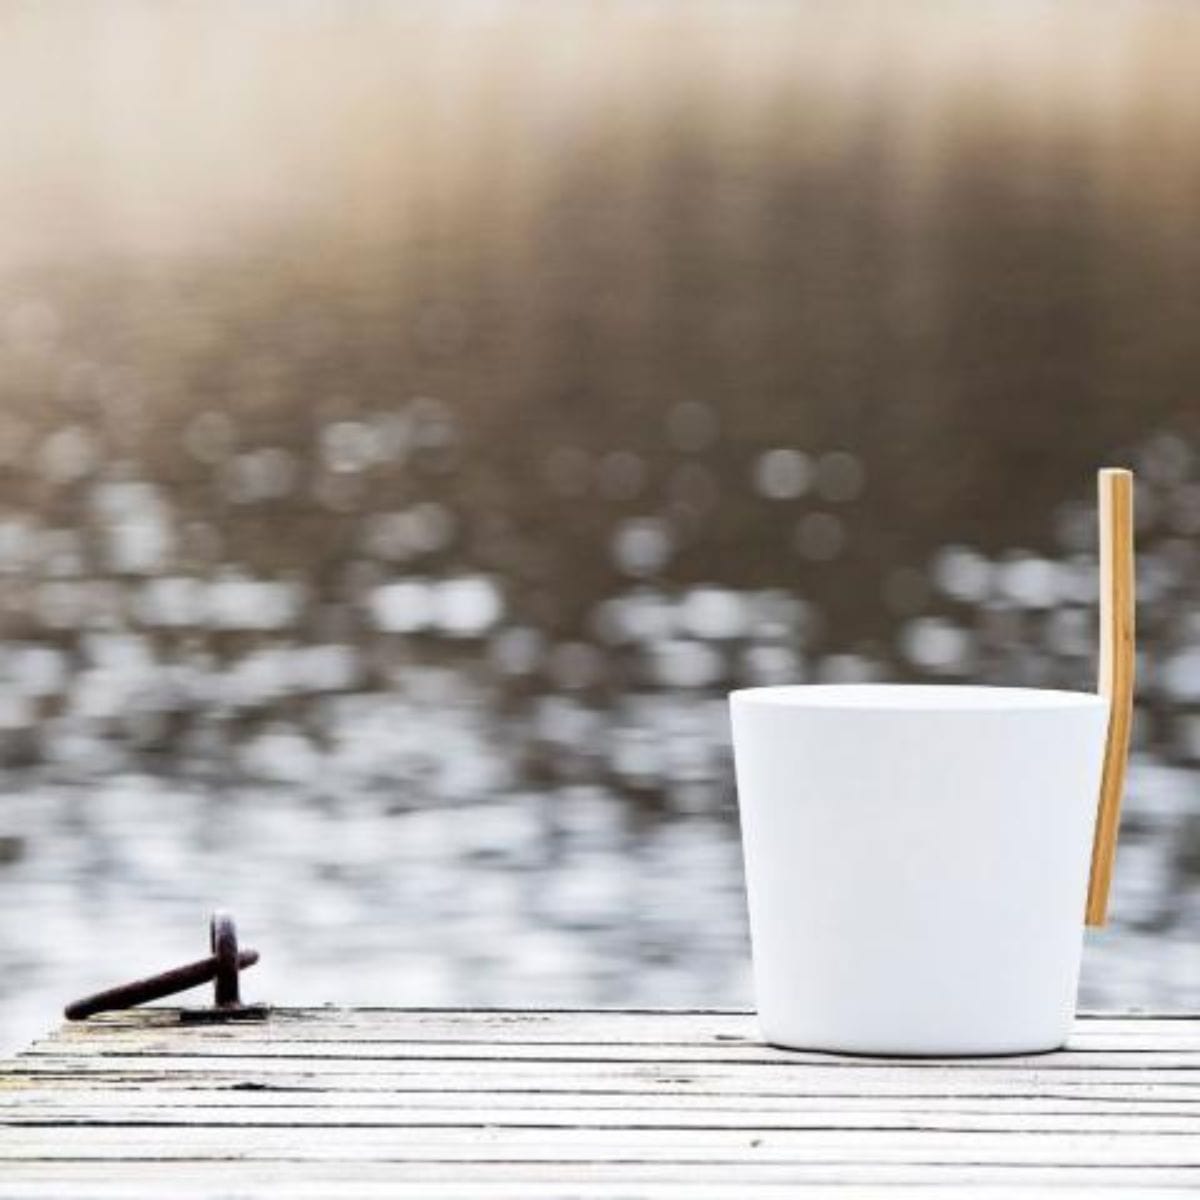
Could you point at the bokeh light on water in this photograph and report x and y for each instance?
(382, 527)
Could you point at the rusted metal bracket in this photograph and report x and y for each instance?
(221, 967)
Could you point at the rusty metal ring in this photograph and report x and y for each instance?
(221, 966)
(222, 935)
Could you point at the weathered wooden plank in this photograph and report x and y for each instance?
(482, 1042)
(372, 1102)
(125, 1100)
(598, 1181)
(558, 1036)
(303, 1026)
(589, 1079)
(585, 1077)
(195, 1044)
(663, 1118)
(663, 1027)
(678, 1146)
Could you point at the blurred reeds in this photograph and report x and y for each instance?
(958, 240)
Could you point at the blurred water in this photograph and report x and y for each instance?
(403, 449)
(412, 792)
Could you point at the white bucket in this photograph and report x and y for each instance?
(917, 862)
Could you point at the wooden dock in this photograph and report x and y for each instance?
(345, 1103)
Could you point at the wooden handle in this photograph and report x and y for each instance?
(1116, 674)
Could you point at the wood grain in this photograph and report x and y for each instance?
(480, 1105)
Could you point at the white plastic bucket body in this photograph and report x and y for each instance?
(917, 862)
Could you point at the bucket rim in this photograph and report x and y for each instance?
(918, 697)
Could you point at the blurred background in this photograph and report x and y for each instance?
(414, 418)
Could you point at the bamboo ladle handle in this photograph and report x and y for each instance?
(1116, 674)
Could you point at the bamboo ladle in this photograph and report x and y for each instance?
(1116, 675)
